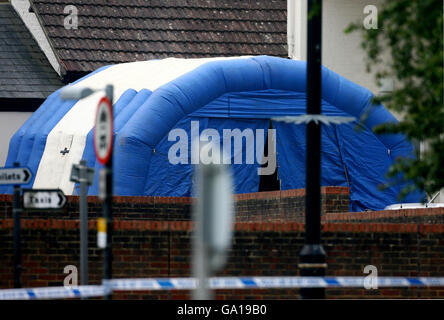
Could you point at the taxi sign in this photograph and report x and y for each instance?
(43, 199)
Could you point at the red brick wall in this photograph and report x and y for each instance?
(424, 215)
(144, 247)
(285, 205)
(162, 249)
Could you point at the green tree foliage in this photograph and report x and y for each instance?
(411, 32)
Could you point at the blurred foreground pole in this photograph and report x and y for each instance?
(213, 219)
(108, 202)
(17, 212)
(107, 215)
(312, 256)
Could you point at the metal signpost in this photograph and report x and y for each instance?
(84, 176)
(312, 256)
(103, 147)
(16, 176)
(213, 213)
(43, 199)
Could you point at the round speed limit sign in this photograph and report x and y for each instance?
(103, 131)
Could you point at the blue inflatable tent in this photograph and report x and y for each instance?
(160, 102)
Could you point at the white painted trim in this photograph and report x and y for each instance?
(31, 22)
(297, 29)
(290, 27)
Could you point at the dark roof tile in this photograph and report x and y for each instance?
(115, 31)
(24, 70)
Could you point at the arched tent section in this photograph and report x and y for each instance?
(58, 124)
(28, 144)
(175, 101)
(155, 97)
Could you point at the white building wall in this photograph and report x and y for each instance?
(10, 122)
(341, 52)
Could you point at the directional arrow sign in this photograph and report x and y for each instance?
(15, 176)
(103, 131)
(43, 199)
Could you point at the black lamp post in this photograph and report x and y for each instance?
(312, 255)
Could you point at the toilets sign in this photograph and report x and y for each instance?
(14, 176)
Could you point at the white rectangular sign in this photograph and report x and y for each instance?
(13, 176)
(43, 199)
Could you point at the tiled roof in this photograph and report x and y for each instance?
(115, 31)
(25, 71)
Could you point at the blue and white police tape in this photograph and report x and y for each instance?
(216, 283)
(272, 283)
(54, 292)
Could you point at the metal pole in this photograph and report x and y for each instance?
(312, 256)
(213, 214)
(200, 265)
(83, 181)
(201, 270)
(17, 212)
(107, 207)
